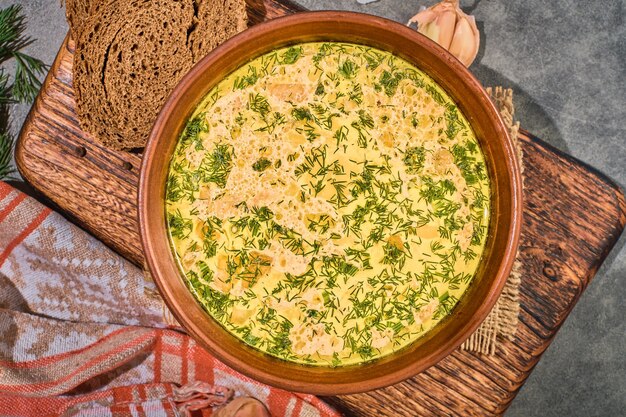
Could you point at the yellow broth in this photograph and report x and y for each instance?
(328, 203)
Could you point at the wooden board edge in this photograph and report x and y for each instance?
(20, 148)
(619, 192)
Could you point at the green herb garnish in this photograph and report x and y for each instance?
(348, 69)
(292, 55)
(261, 165)
(414, 159)
(217, 165)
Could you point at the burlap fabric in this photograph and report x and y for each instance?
(503, 319)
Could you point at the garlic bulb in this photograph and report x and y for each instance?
(446, 24)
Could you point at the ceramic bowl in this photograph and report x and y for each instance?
(504, 227)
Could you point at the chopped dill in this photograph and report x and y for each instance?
(414, 159)
(436, 190)
(174, 192)
(366, 120)
(217, 165)
(341, 135)
(261, 164)
(453, 123)
(192, 132)
(373, 59)
(180, 227)
(348, 69)
(291, 55)
(302, 113)
(390, 81)
(272, 122)
(356, 94)
(436, 95)
(246, 81)
(259, 104)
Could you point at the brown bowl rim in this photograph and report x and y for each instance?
(205, 330)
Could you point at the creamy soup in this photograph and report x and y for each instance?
(328, 203)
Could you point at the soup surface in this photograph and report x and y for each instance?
(328, 203)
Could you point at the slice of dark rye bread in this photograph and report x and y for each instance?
(77, 11)
(131, 53)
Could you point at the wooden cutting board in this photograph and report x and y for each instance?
(573, 216)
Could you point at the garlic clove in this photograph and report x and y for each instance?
(423, 17)
(446, 24)
(466, 40)
(431, 30)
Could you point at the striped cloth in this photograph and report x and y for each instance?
(83, 333)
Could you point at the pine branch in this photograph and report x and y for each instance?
(12, 26)
(25, 84)
(27, 73)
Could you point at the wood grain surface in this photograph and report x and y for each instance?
(573, 216)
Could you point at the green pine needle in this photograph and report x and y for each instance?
(6, 150)
(25, 84)
(11, 27)
(27, 73)
(5, 88)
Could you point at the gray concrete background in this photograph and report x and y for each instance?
(566, 61)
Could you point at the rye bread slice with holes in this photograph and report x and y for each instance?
(227, 14)
(78, 12)
(130, 54)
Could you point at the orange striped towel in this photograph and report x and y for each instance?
(81, 334)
